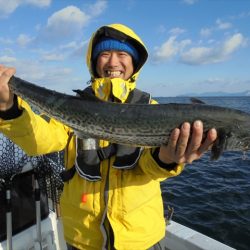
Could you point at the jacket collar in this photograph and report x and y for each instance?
(105, 88)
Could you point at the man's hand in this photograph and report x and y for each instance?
(6, 96)
(184, 146)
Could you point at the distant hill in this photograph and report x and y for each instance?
(220, 93)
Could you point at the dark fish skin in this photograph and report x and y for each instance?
(136, 124)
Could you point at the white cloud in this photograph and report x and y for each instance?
(206, 32)
(215, 81)
(233, 43)
(176, 31)
(70, 45)
(53, 57)
(39, 3)
(169, 49)
(80, 50)
(6, 41)
(210, 41)
(200, 86)
(223, 25)
(243, 15)
(97, 8)
(66, 22)
(7, 51)
(9, 6)
(44, 74)
(7, 59)
(223, 84)
(210, 55)
(200, 55)
(161, 29)
(63, 25)
(23, 40)
(219, 25)
(190, 2)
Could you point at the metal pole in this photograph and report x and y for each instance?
(8, 215)
(38, 212)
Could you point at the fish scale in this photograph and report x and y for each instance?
(136, 124)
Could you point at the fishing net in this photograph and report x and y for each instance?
(47, 168)
(18, 173)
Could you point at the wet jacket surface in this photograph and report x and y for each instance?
(133, 203)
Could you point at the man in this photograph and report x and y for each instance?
(112, 197)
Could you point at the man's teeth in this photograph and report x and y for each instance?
(113, 73)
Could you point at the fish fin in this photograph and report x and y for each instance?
(85, 95)
(195, 100)
(220, 144)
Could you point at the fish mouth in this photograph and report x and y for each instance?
(245, 144)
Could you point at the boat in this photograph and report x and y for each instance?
(48, 235)
(178, 237)
(42, 229)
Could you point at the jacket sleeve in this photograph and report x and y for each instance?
(33, 133)
(150, 167)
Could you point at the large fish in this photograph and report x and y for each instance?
(136, 124)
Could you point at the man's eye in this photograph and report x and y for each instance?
(123, 54)
(105, 54)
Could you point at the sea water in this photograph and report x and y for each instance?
(213, 197)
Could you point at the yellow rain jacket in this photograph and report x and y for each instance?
(134, 204)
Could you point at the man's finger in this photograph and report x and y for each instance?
(210, 139)
(183, 140)
(196, 138)
(5, 74)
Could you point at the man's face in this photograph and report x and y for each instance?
(115, 64)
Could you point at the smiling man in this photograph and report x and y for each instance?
(115, 58)
(112, 196)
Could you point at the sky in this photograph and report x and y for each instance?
(194, 46)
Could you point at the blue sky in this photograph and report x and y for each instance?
(194, 46)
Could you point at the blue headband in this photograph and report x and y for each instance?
(107, 44)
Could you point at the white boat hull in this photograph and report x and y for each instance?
(178, 237)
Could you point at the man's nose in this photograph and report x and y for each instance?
(113, 59)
